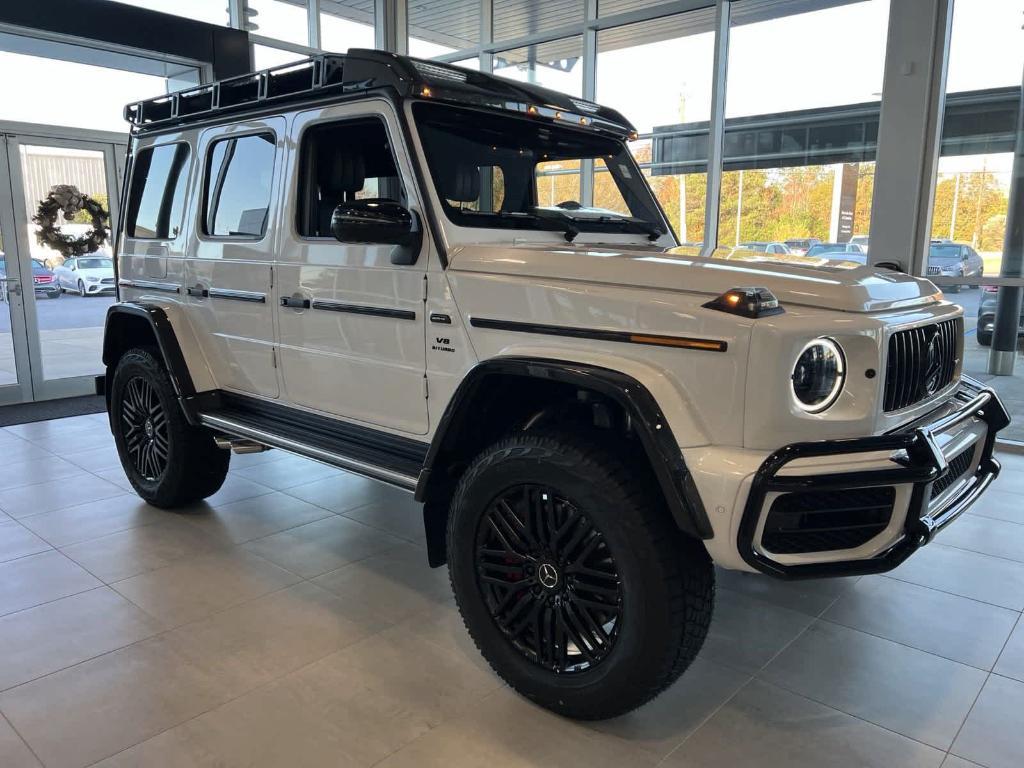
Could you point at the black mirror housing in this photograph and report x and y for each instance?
(376, 221)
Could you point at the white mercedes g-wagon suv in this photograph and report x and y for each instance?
(366, 260)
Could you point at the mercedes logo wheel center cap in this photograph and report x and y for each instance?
(547, 575)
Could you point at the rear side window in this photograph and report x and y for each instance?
(237, 186)
(158, 192)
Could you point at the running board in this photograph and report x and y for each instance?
(369, 452)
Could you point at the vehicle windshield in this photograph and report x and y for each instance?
(944, 253)
(95, 263)
(502, 171)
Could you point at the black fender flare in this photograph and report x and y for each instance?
(120, 316)
(662, 450)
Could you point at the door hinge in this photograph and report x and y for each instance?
(424, 287)
(426, 388)
(271, 277)
(273, 356)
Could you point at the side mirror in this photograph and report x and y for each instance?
(379, 222)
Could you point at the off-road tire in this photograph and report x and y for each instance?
(666, 579)
(194, 467)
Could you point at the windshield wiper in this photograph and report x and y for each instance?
(653, 231)
(550, 223)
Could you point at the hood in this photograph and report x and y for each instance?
(99, 272)
(795, 280)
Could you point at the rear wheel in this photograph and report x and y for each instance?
(169, 462)
(571, 577)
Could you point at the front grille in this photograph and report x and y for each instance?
(820, 521)
(921, 362)
(107, 281)
(933, 270)
(958, 467)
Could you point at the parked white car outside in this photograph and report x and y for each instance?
(87, 275)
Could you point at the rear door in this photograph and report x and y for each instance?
(229, 270)
(352, 338)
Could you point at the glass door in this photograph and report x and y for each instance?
(63, 192)
(15, 372)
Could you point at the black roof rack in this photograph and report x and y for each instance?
(362, 71)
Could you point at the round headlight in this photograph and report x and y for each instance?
(818, 375)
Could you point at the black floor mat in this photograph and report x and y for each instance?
(51, 409)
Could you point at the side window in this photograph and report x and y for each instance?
(236, 190)
(157, 196)
(340, 162)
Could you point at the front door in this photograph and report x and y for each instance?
(351, 322)
(51, 339)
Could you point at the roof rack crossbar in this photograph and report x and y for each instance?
(292, 79)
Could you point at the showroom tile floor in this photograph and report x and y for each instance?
(293, 621)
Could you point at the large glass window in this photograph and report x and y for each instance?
(158, 191)
(675, 164)
(265, 57)
(345, 25)
(973, 186)
(439, 28)
(198, 10)
(519, 18)
(90, 97)
(801, 130)
(557, 64)
(237, 186)
(279, 19)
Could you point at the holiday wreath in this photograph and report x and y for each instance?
(67, 199)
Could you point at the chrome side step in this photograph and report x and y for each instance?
(236, 429)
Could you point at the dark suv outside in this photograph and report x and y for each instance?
(987, 315)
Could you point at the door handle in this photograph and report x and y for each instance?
(294, 302)
(197, 291)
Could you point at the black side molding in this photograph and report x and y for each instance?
(363, 309)
(663, 453)
(627, 337)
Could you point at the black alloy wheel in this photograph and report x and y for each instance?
(548, 578)
(571, 575)
(169, 462)
(144, 427)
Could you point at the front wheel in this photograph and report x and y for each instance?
(572, 578)
(168, 461)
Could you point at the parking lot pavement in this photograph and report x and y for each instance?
(70, 334)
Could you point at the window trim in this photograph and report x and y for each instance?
(204, 190)
(186, 168)
(301, 189)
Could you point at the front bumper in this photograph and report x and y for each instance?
(917, 463)
(94, 288)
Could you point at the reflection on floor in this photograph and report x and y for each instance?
(293, 621)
